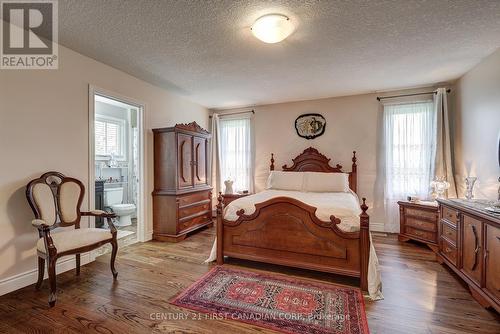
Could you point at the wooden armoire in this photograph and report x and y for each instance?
(182, 196)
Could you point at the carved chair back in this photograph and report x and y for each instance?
(56, 199)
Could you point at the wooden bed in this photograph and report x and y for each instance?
(286, 231)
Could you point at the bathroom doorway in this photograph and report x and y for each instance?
(117, 164)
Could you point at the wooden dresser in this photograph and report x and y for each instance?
(469, 243)
(182, 196)
(419, 221)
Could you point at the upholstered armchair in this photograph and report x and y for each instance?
(56, 200)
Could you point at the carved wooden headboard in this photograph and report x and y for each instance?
(312, 161)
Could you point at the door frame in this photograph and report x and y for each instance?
(142, 233)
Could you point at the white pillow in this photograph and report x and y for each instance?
(285, 180)
(326, 182)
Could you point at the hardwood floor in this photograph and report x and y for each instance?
(421, 296)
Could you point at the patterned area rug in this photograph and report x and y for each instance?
(277, 302)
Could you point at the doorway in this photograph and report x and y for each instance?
(116, 165)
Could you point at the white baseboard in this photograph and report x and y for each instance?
(21, 280)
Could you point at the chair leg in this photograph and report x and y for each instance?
(114, 245)
(41, 272)
(52, 281)
(77, 264)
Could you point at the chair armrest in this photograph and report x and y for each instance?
(104, 214)
(44, 232)
(39, 223)
(99, 213)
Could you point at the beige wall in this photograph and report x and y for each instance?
(353, 124)
(477, 127)
(44, 126)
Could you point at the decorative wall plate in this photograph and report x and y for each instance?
(310, 126)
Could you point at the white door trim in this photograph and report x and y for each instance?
(142, 233)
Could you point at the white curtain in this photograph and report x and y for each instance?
(409, 138)
(215, 158)
(236, 151)
(443, 162)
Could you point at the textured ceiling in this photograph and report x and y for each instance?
(204, 50)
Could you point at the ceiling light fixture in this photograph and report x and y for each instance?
(272, 28)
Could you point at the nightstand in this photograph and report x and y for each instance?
(228, 198)
(419, 221)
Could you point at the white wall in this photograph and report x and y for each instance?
(477, 127)
(44, 126)
(352, 124)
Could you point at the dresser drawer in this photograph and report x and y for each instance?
(193, 222)
(193, 198)
(421, 224)
(429, 215)
(449, 232)
(191, 210)
(420, 234)
(451, 215)
(448, 251)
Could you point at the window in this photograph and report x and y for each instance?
(109, 137)
(410, 139)
(236, 159)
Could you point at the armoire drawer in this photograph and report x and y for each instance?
(193, 198)
(191, 210)
(200, 220)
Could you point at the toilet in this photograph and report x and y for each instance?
(113, 198)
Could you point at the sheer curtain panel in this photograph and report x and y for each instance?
(410, 150)
(236, 153)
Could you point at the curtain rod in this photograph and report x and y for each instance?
(236, 113)
(404, 95)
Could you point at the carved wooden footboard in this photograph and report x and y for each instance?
(286, 231)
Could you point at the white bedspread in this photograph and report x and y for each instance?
(342, 205)
(345, 206)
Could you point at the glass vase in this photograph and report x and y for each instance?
(469, 183)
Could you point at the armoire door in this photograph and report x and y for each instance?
(472, 258)
(185, 160)
(200, 147)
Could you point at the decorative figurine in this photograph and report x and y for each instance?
(229, 187)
